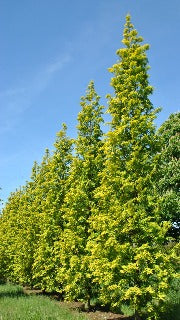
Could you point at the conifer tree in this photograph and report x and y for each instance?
(126, 237)
(79, 199)
(51, 189)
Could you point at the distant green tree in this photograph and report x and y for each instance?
(127, 257)
(79, 200)
(169, 173)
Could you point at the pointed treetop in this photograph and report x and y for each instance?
(46, 157)
(35, 171)
(63, 142)
(89, 121)
(130, 33)
(90, 93)
(130, 78)
(91, 113)
(62, 132)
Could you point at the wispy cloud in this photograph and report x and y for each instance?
(44, 77)
(57, 65)
(15, 101)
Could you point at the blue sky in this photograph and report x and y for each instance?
(51, 49)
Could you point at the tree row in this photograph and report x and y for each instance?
(99, 217)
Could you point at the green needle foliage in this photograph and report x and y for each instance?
(79, 199)
(127, 257)
(169, 173)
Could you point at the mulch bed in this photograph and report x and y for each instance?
(100, 315)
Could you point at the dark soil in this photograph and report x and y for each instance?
(79, 306)
(100, 315)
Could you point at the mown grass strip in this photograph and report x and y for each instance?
(15, 305)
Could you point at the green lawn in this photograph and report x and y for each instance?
(15, 305)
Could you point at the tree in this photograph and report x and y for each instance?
(7, 233)
(31, 221)
(169, 173)
(28, 216)
(11, 230)
(19, 232)
(79, 200)
(51, 190)
(1, 203)
(127, 258)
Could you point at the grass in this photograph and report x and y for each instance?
(15, 305)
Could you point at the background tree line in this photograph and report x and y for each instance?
(99, 217)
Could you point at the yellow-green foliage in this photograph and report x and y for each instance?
(89, 223)
(127, 258)
(19, 233)
(79, 199)
(51, 189)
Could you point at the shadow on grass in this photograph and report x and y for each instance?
(11, 291)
